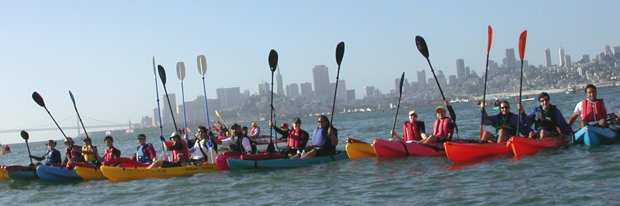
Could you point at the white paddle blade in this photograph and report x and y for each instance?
(211, 156)
(181, 70)
(154, 67)
(164, 156)
(202, 65)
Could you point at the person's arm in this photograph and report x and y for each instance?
(451, 111)
(56, 157)
(176, 146)
(247, 145)
(278, 130)
(303, 140)
(37, 158)
(485, 118)
(572, 119)
(564, 127)
(333, 135)
(398, 137)
(151, 153)
(117, 153)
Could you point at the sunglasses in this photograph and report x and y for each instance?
(544, 100)
(504, 107)
(413, 115)
(320, 121)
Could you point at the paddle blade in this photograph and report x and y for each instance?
(162, 73)
(490, 39)
(154, 67)
(38, 99)
(181, 70)
(72, 99)
(24, 135)
(202, 65)
(218, 114)
(339, 52)
(421, 44)
(402, 79)
(273, 61)
(522, 44)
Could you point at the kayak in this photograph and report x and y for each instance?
(593, 136)
(89, 173)
(57, 174)
(120, 174)
(386, 148)
(526, 146)
(3, 174)
(359, 149)
(238, 164)
(458, 152)
(5, 151)
(18, 172)
(221, 160)
(263, 142)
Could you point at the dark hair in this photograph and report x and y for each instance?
(589, 86)
(203, 128)
(543, 94)
(141, 136)
(235, 126)
(324, 118)
(504, 102)
(244, 128)
(87, 139)
(108, 138)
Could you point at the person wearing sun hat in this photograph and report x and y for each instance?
(413, 130)
(444, 126)
(52, 156)
(180, 152)
(72, 152)
(296, 138)
(255, 131)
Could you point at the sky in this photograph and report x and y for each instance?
(102, 50)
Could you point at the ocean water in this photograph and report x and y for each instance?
(574, 175)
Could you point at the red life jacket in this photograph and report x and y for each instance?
(293, 139)
(442, 129)
(253, 131)
(182, 155)
(594, 112)
(109, 154)
(411, 131)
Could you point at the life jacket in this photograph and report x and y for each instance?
(321, 138)
(594, 112)
(141, 156)
(182, 155)
(88, 157)
(545, 120)
(70, 153)
(442, 129)
(293, 140)
(49, 160)
(204, 147)
(412, 131)
(109, 154)
(255, 131)
(503, 122)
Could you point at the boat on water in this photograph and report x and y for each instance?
(238, 164)
(3, 174)
(459, 152)
(19, 172)
(359, 149)
(90, 172)
(526, 146)
(57, 174)
(122, 174)
(592, 136)
(386, 148)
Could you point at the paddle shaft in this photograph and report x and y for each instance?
(335, 94)
(28, 147)
(204, 88)
(271, 110)
(171, 112)
(522, 40)
(183, 98)
(398, 105)
(161, 129)
(486, 74)
(78, 114)
(435, 76)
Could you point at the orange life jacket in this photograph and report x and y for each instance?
(412, 131)
(182, 155)
(590, 112)
(442, 129)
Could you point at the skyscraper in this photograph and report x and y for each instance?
(293, 90)
(460, 70)
(306, 89)
(548, 57)
(280, 89)
(561, 52)
(510, 62)
(421, 79)
(229, 97)
(369, 91)
(166, 116)
(320, 75)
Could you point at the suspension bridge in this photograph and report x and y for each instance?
(101, 124)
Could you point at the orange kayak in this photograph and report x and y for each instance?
(458, 152)
(525, 146)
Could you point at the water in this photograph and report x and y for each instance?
(576, 175)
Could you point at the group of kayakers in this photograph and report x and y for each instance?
(546, 119)
(204, 148)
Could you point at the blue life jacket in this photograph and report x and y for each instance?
(140, 153)
(49, 160)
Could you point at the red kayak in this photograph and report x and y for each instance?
(458, 152)
(386, 148)
(525, 146)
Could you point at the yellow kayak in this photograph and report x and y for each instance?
(120, 174)
(5, 152)
(4, 174)
(88, 173)
(359, 149)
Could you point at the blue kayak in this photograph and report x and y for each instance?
(237, 164)
(20, 173)
(593, 136)
(57, 174)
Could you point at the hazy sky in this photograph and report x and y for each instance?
(102, 51)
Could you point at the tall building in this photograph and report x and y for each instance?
(421, 79)
(561, 52)
(229, 97)
(351, 94)
(320, 75)
(342, 89)
(460, 70)
(166, 116)
(280, 89)
(369, 91)
(510, 62)
(585, 58)
(292, 90)
(567, 61)
(155, 113)
(306, 89)
(617, 51)
(452, 79)
(548, 57)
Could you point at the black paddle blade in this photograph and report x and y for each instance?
(24, 135)
(71, 95)
(339, 52)
(273, 60)
(421, 44)
(402, 79)
(38, 99)
(162, 73)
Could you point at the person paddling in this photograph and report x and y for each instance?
(413, 130)
(90, 152)
(180, 153)
(111, 153)
(593, 111)
(505, 123)
(443, 128)
(547, 119)
(296, 138)
(145, 152)
(72, 152)
(203, 145)
(238, 142)
(255, 131)
(324, 139)
(52, 156)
